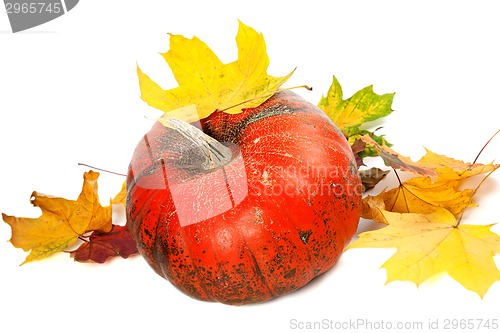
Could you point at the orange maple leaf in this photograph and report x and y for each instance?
(62, 221)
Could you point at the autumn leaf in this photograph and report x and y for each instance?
(450, 169)
(371, 177)
(62, 221)
(409, 198)
(431, 164)
(438, 186)
(418, 195)
(351, 113)
(423, 216)
(102, 246)
(372, 207)
(397, 161)
(121, 197)
(206, 84)
(358, 147)
(430, 244)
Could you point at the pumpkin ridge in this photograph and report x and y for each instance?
(259, 272)
(201, 283)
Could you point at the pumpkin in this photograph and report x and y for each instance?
(245, 207)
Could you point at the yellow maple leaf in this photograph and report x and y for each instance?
(449, 169)
(121, 197)
(430, 244)
(409, 197)
(62, 221)
(206, 84)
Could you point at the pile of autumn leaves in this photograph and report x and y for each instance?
(64, 223)
(422, 215)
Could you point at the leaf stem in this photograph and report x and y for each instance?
(103, 170)
(475, 160)
(298, 87)
(474, 193)
(266, 95)
(401, 187)
(244, 102)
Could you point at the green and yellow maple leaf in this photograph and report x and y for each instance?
(206, 84)
(349, 114)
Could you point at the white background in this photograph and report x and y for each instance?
(69, 94)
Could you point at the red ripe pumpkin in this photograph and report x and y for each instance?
(269, 218)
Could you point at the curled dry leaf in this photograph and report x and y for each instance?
(371, 177)
(358, 147)
(121, 197)
(102, 246)
(62, 221)
(397, 161)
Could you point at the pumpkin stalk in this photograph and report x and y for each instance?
(216, 154)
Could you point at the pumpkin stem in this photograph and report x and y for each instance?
(216, 154)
